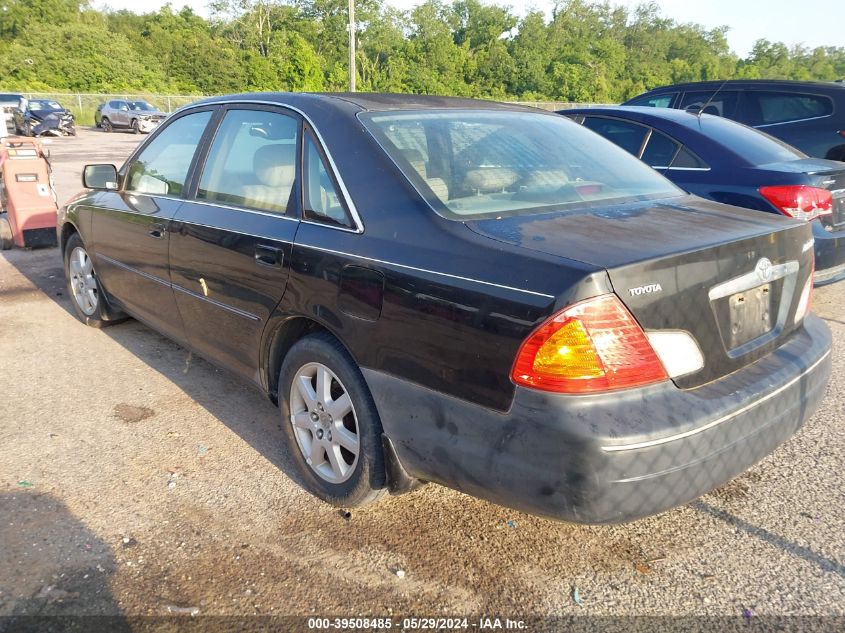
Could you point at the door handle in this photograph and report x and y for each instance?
(269, 256)
(158, 230)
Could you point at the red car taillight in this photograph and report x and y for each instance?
(595, 345)
(799, 201)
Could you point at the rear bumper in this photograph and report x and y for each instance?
(830, 255)
(613, 457)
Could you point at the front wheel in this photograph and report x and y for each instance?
(136, 129)
(331, 423)
(84, 287)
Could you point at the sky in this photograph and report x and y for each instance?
(817, 23)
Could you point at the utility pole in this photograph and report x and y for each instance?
(351, 45)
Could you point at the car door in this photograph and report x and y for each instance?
(231, 242)
(130, 227)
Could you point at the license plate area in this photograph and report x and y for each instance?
(750, 315)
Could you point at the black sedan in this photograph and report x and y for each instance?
(728, 162)
(38, 117)
(485, 296)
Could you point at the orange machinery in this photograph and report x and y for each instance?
(27, 197)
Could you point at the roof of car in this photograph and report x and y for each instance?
(645, 114)
(782, 83)
(371, 101)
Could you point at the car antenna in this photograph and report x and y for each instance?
(710, 100)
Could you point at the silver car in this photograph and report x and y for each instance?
(139, 116)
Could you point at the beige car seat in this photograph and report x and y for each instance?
(275, 169)
(437, 185)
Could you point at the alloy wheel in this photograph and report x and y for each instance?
(83, 284)
(324, 423)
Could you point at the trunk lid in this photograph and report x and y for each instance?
(730, 277)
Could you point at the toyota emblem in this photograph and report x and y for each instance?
(764, 269)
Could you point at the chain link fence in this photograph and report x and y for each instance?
(83, 104)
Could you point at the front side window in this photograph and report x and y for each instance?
(493, 163)
(162, 166)
(718, 102)
(766, 108)
(252, 162)
(653, 101)
(322, 202)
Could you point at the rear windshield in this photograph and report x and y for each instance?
(474, 164)
(752, 146)
(39, 104)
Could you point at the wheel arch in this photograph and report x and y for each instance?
(282, 338)
(68, 229)
(836, 153)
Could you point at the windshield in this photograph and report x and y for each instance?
(141, 105)
(753, 146)
(43, 104)
(474, 164)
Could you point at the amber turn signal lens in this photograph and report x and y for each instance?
(592, 346)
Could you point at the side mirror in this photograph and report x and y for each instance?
(102, 177)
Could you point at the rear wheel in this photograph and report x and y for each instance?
(6, 240)
(84, 287)
(331, 423)
(106, 124)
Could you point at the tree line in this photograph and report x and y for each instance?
(584, 52)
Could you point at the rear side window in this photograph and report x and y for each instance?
(685, 159)
(660, 150)
(718, 102)
(322, 202)
(663, 100)
(628, 136)
(162, 166)
(252, 161)
(766, 108)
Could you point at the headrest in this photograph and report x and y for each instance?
(275, 165)
(490, 179)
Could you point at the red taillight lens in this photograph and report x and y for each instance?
(594, 345)
(800, 201)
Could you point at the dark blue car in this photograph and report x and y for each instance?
(722, 160)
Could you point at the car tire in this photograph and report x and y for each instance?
(136, 129)
(314, 425)
(84, 288)
(6, 239)
(106, 125)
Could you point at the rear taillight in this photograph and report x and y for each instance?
(799, 201)
(594, 345)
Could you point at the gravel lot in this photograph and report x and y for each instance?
(136, 479)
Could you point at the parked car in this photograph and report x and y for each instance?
(481, 295)
(139, 116)
(809, 115)
(37, 117)
(729, 162)
(98, 115)
(9, 102)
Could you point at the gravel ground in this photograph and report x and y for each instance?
(136, 479)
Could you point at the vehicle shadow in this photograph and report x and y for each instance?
(825, 564)
(54, 572)
(237, 403)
